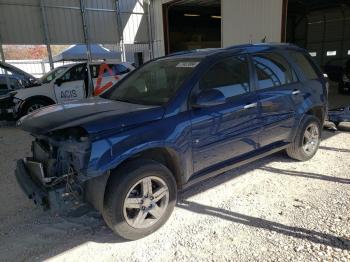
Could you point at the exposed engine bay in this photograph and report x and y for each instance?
(58, 166)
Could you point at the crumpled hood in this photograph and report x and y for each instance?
(94, 115)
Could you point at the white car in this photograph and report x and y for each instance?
(70, 82)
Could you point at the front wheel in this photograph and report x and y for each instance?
(33, 105)
(307, 140)
(139, 199)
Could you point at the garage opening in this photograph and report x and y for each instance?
(192, 24)
(323, 28)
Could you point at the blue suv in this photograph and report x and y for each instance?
(170, 124)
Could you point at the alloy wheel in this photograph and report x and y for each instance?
(34, 107)
(146, 202)
(311, 139)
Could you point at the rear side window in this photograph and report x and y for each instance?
(272, 70)
(112, 70)
(305, 65)
(94, 70)
(119, 69)
(230, 76)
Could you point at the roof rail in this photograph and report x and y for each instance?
(192, 51)
(259, 44)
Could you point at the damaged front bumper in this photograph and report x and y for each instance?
(30, 187)
(31, 179)
(6, 106)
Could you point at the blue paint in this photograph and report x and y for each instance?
(204, 138)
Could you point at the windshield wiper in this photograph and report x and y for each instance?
(125, 101)
(136, 102)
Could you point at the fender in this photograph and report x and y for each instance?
(308, 108)
(181, 158)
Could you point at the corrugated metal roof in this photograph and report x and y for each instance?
(21, 21)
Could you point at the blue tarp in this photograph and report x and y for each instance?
(79, 52)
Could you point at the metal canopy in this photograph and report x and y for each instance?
(69, 21)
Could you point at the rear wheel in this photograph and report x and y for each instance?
(139, 199)
(307, 140)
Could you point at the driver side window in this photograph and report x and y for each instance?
(230, 76)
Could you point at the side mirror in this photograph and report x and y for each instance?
(207, 98)
(58, 82)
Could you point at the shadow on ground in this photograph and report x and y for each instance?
(302, 233)
(89, 226)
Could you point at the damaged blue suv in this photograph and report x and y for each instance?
(170, 124)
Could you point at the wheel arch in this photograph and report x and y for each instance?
(317, 111)
(32, 98)
(166, 156)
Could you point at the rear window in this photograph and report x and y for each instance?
(272, 70)
(305, 65)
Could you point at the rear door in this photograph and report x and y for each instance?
(225, 131)
(279, 93)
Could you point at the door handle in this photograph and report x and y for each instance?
(249, 106)
(296, 92)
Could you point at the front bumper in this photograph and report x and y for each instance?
(47, 198)
(30, 187)
(6, 106)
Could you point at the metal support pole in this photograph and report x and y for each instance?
(46, 32)
(323, 39)
(3, 60)
(149, 29)
(90, 91)
(121, 32)
(2, 53)
(85, 29)
(342, 49)
(306, 40)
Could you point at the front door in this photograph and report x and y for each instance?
(229, 130)
(72, 85)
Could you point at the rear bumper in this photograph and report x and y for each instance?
(339, 115)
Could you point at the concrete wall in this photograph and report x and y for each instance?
(243, 21)
(158, 30)
(247, 21)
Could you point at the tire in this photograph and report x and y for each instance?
(32, 105)
(128, 181)
(297, 149)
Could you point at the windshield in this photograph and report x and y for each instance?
(47, 78)
(154, 83)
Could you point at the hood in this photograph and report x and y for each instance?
(94, 115)
(38, 90)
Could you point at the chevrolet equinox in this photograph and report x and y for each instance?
(173, 122)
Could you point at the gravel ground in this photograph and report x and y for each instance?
(272, 210)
